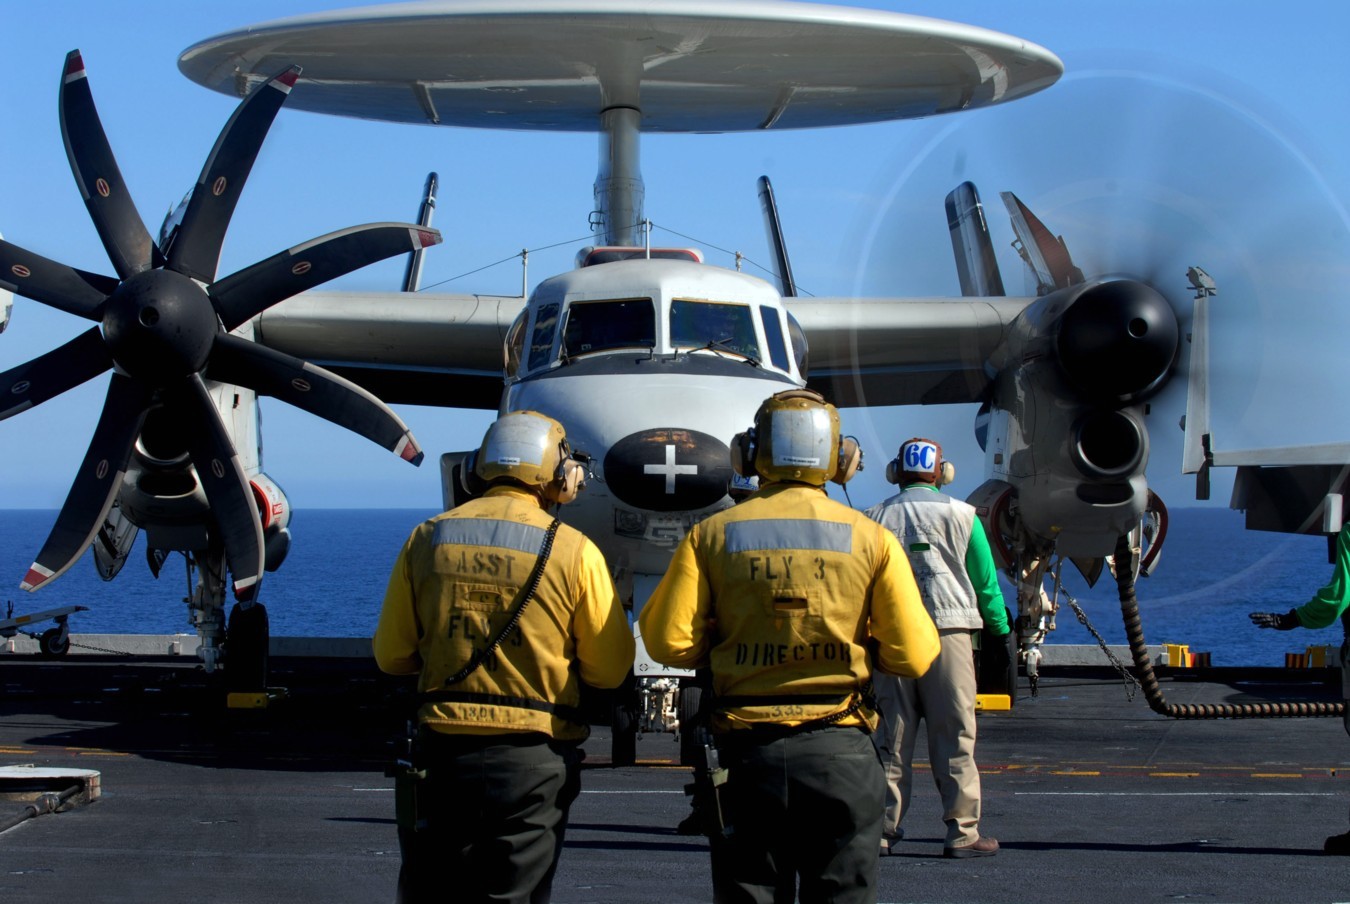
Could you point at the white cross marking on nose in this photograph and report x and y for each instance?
(670, 469)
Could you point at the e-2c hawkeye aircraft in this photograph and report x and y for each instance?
(651, 358)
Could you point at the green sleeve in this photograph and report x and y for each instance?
(984, 575)
(1329, 602)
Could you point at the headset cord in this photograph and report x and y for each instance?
(531, 585)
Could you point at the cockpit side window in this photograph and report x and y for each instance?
(515, 345)
(800, 350)
(597, 326)
(541, 341)
(773, 335)
(700, 324)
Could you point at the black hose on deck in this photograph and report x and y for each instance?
(46, 803)
(1134, 631)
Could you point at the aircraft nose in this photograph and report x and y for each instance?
(668, 470)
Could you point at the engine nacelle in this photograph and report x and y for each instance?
(1065, 421)
(274, 510)
(1117, 341)
(166, 500)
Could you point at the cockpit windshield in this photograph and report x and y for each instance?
(704, 324)
(597, 326)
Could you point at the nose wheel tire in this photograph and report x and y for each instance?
(54, 642)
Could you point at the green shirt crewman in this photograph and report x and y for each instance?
(1329, 603)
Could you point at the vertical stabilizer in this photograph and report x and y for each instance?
(976, 265)
(787, 287)
(412, 277)
(1046, 255)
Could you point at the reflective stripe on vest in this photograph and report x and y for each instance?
(789, 533)
(488, 532)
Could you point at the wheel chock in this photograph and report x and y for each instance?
(993, 703)
(255, 699)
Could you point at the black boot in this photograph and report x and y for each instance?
(1338, 845)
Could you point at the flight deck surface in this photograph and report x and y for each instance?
(1093, 797)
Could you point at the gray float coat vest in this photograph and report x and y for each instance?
(934, 530)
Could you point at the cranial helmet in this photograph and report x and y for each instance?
(530, 448)
(796, 437)
(920, 460)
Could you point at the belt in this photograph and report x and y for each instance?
(561, 710)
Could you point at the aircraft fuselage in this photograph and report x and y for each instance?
(652, 366)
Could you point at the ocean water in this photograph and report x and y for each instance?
(1211, 574)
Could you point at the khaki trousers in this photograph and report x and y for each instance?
(945, 697)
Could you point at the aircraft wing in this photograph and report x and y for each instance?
(902, 351)
(407, 348)
(1289, 489)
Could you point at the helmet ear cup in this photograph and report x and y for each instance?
(893, 471)
(948, 473)
(565, 487)
(570, 483)
(850, 460)
(743, 449)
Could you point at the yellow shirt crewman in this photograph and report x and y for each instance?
(501, 724)
(789, 598)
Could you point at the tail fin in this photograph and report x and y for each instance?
(786, 286)
(976, 265)
(1046, 255)
(412, 277)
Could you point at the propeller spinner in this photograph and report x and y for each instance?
(164, 323)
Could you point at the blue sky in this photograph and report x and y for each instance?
(1228, 119)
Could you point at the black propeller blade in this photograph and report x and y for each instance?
(120, 227)
(163, 326)
(196, 249)
(56, 285)
(226, 487)
(242, 296)
(96, 482)
(47, 376)
(310, 387)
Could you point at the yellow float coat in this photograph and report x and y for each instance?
(789, 594)
(453, 586)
